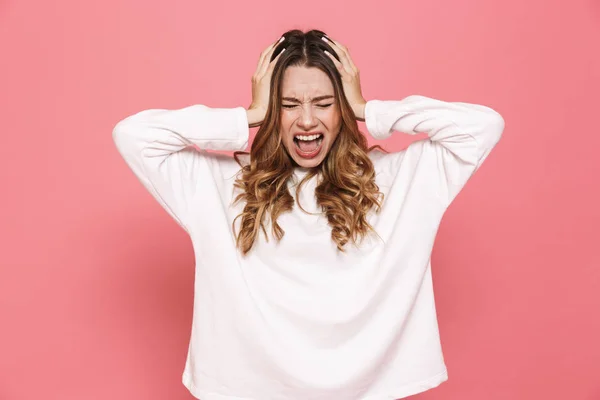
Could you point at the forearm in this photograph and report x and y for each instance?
(159, 132)
(359, 111)
(459, 127)
(255, 117)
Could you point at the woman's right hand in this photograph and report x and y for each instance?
(261, 81)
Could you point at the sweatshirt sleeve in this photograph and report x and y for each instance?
(460, 136)
(165, 149)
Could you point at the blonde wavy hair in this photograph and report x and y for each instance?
(346, 191)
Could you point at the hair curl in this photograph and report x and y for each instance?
(346, 191)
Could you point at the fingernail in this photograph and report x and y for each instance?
(324, 38)
(281, 40)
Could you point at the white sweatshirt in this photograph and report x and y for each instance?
(298, 320)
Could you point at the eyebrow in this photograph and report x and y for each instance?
(294, 100)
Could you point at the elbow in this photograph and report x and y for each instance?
(122, 135)
(493, 123)
(118, 133)
(131, 128)
(496, 126)
(489, 129)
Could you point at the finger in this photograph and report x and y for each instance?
(263, 55)
(342, 66)
(338, 64)
(266, 60)
(346, 59)
(272, 64)
(336, 44)
(343, 53)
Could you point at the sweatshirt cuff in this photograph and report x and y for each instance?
(373, 109)
(243, 126)
(223, 129)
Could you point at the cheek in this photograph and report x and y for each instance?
(285, 132)
(284, 124)
(333, 116)
(334, 122)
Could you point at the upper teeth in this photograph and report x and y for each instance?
(310, 137)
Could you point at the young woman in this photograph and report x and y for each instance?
(313, 273)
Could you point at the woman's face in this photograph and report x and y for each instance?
(310, 120)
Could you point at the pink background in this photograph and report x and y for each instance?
(96, 280)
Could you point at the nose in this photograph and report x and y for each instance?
(307, 118)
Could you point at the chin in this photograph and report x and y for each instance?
(314, 162)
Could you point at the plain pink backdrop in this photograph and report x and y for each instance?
(96, 280)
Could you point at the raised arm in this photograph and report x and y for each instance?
(460, 135)
(166, 150)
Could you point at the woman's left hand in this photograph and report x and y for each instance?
(350, 77)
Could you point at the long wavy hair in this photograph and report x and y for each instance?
(346, 191)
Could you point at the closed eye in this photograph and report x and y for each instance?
(295, 105)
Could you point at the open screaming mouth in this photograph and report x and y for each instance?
(308, 146)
